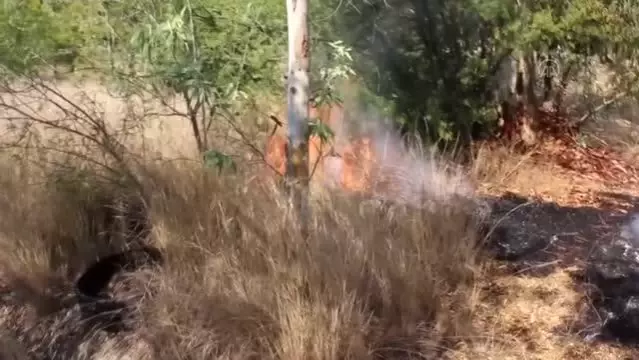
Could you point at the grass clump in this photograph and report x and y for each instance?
(240, 281)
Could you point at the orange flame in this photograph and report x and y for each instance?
(350, 167)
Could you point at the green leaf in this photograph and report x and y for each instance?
(218, 160)
(321, 130)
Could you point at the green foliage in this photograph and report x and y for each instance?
(220, 161)
(417, 58)
(434, 59)
(321, 130)
(337, 67)
(26, 35)
(187, 44)
(427, 64)
(36, 33)
(216, 55)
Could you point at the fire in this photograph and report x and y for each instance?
(349, 166)
(377, 164)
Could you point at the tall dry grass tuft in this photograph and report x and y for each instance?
(241, 282)
(53, 224)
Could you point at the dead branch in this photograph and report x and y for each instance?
(601, 107)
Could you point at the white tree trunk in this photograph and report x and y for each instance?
(297, 167)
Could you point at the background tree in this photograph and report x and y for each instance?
(439, 62)
(434, 66)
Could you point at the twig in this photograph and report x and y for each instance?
(605, 104)
(537, 266)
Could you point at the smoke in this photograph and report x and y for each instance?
(630, 230)
(376, 160)
(413, 173)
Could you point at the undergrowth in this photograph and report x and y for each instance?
(240, 281)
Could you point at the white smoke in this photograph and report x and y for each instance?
(630, 230)
(414, 173)
(406, 174)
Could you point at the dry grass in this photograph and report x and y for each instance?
(534, 317)
(240, 281)
(366, 283)
(502, 170)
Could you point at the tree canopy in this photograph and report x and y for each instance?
(432, 63)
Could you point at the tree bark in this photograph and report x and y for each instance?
(531, 104)
(297, 167)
